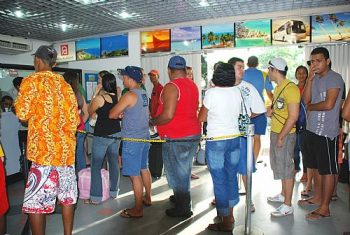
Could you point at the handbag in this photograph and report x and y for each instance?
(243, 118)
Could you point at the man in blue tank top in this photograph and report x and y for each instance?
(261, 82)
(133, 108)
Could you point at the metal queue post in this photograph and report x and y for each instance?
(247, 229)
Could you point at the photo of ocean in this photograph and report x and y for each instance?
(331, 27)
(186, 39)
(114, 46)
(253, 33)
(217, 36)
(88, 49)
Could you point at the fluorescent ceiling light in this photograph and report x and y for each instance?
(19, 14)
(87, 2)
(64, 27)
(125, 15)
(204, 3)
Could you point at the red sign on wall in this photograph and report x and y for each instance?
(64, 49)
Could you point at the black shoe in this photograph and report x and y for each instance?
(172, 198)
(173, 212)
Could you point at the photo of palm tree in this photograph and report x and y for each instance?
(331, 27)
(253, 33)
(217, 36)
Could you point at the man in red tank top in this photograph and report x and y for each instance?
(176, 119)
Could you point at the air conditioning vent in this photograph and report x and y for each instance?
(14, 45)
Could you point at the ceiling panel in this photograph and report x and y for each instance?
(43, 18)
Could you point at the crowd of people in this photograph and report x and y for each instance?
(55, 108)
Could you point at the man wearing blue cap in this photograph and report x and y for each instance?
(133, 107)
(176, 119)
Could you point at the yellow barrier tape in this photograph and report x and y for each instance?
(163, 140)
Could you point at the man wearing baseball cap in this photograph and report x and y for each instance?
(284, 113)
(50, 107)
(133, 105)
(176, 119)
(157, 89)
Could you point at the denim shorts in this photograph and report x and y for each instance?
(260, 123)
(135, 157)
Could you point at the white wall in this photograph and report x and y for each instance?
(23, 58)
(134, 58)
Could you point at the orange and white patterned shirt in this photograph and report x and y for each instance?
(49, 105)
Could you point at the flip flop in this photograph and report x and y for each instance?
(334, 197)
(194, 177)
(306, 202)
(219, 227)
(89, 202)
(126, 214)
(315, 215)
(305, 193)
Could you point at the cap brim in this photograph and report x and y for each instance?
(122, 72)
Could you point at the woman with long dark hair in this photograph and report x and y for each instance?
(104, 140)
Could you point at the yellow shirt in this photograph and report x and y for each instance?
(285, 93)
(1, 151)
(49, 105)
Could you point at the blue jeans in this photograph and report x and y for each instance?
(223, 157)
(80, 152)
(102, 147)
(178, 158)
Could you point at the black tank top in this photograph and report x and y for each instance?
(104, 125)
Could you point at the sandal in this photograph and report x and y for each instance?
(315, 215)
(334, 197)
(126, 214)
(305, 193)
(89, 202)
(306, 202)
(194, 177)
(219, 227)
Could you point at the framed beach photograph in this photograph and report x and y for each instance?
(218, 36)
(186, 39)
(291, 31)
(253, 33)
(330, 27)
(114, 46)
(88, 49)
(155, 41)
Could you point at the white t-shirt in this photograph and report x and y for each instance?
(252, 99)
(224, 106)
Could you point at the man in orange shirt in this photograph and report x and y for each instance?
(49, 106)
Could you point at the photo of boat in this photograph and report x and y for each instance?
(155, 41)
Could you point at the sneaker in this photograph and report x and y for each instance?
(283, 210)
(276, 198)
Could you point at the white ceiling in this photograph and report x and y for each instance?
(43, 18)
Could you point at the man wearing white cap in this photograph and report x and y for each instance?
(284, 114)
